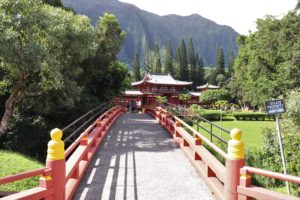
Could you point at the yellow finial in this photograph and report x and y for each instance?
(56, 147)
(235, 145)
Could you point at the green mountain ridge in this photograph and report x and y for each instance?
(142, 26)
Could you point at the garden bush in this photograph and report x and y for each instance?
(255, 116)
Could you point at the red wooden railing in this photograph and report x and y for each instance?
(231, 181)
(53, 184)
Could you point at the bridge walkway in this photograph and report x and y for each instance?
(138, 160)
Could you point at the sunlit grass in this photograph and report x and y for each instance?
(13, 163)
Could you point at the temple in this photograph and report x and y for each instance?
(153, 85)
(207, 86)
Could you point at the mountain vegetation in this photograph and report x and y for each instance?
(145, 30)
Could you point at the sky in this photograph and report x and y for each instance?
(241, 15)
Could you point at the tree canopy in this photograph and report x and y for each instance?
(268, 62)
(52, 61)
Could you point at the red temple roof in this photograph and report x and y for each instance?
(165, 79)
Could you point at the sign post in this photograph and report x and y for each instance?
(276, 107)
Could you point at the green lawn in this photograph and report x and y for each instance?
(252, 130)
(13, 163)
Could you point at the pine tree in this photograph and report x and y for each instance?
(157, 62)
(169, 59)
(192, 62)
(220, 62)
(181, 58)
(199, 71)
(230, 64)
(212, 79)
(136, 68)
(147, 58)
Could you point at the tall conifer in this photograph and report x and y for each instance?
(136, 68)
(169, 59)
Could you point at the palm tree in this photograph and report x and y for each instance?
(161, 99)
(185, 97)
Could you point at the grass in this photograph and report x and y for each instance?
(13, 163)
(252, 130)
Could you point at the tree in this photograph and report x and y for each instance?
(169, 59)
(136, 68)
(211, 96)
(148, 58)
(212, 79)
(98, 68)
(161, 99)
(185, 97)
(56, 3)
(157, 60)
(220, 62)
(37, 54)
(230, 64)
(192, 62)
(199, 71)
(268, 61)
(181, 58)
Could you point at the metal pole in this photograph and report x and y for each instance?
(221, 124)
(282, 151)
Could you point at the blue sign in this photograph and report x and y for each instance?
(275, 107)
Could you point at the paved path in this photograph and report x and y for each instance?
(139, 161)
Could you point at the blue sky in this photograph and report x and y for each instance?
(239, 14)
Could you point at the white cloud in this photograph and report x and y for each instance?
(239, 14)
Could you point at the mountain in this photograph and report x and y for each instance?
(142, 26)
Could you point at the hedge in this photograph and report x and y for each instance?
(254, 116)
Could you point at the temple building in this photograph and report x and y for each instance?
(153, 85)
(207, 86)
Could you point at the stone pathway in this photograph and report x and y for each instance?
(139, 161)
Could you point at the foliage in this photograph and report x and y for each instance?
(12, 163)
(56, 3)
(292, 104)
(268, 62)
(157, 60)
(268, 157)
(54, 67)
(37, 54)
(136, 68)
(161, 99)
(192, 63)
(230, 64)
(212, 79)
(181, 58)
(169, 59)
(185, 97)
(221, 104)
(211, 96)
(199, 71)
(248, 116)
(220, 61)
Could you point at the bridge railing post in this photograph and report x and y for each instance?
(57, 163)
(234, 162)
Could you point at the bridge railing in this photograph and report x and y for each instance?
(229, 181)
(213, 131)
(61, 176)
(248, 191)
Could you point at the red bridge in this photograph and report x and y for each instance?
(130, 156)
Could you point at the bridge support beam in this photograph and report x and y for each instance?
(234, 163)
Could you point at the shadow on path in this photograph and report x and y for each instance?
(138, 160)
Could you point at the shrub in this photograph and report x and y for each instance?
(257, 116)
